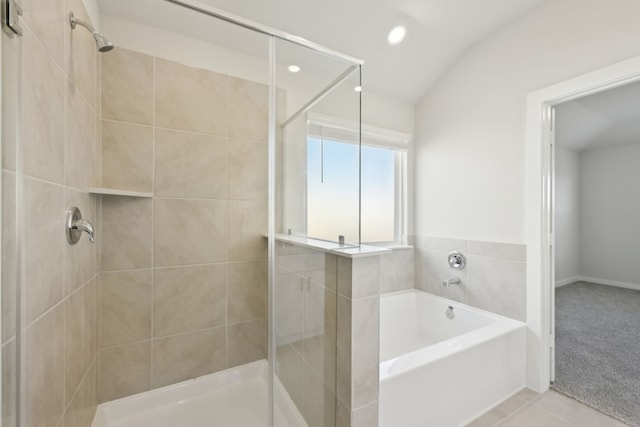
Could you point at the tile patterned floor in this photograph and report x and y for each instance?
(551, 409)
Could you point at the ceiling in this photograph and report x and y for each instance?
(606, 119)
(439, 31)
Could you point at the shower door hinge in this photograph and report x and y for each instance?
(11, 12)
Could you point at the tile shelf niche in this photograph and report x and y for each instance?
(117, 192)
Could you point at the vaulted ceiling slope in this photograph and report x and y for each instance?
(439, 31)
(605, 119)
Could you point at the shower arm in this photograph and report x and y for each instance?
(75, 21)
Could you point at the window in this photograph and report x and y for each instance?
(334, 165)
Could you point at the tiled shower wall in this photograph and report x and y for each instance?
(494, 278)
(59, 115)
(183, 286)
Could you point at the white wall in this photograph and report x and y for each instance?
(567, 216)
(610, 214)
(93, 11)
(470, 127)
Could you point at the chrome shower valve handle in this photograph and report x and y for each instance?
(75, 225)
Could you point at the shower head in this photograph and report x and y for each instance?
(102, 43)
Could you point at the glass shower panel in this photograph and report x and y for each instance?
(309, 204)
(11, 68)
(320, 140)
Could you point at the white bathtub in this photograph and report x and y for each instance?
(442, 372)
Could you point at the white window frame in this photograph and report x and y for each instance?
(336, 129)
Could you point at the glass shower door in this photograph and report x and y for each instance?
(317, 196)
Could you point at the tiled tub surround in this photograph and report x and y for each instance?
(59, 139)
(494, 278)
(184, 273)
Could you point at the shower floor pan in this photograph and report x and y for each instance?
(234, 397)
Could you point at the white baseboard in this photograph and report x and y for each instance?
(606, 282)
(568, 281)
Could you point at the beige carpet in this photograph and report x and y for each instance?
(598, 348)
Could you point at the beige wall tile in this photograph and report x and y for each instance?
(248, 170)
(343, 415)
(365, 351)
(8, 294)
(43, 109)
(344, 276)
(190, 165)
(247, 224)
(9, 387)
(182, 357)
(11, 60)
(508, 251)
(498, 285)
(47, 20)
(290, 372)
(247, 342)
(319, 408)
(247, 291)
(80, 147)
(331, 272)
(44, 246)
(248, 110)
(320, 348)
(191, 99)
(343, 351)
(365, 279)
(124, 370)
(98, 225)
(127, 156)
(397, 271)
(45, 373)
(80, 54)
(189, 232)
(79, 259)
(436, 269)
(79, 335)
(289, 311)
(126, 233)
(125, 307)
(441, 244)
(127, 86)
(187, 299)
(82, 408)
(365, 416)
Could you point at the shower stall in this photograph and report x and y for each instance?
(195, 143)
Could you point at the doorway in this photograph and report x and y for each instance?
(595, 269)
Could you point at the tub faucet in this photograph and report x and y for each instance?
(453, 281)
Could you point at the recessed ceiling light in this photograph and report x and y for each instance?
(358, 88)
(294, 68)
(396, 35)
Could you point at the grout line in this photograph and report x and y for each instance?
(180, 334)
(223, 263)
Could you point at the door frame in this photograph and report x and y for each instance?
(539, 181)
